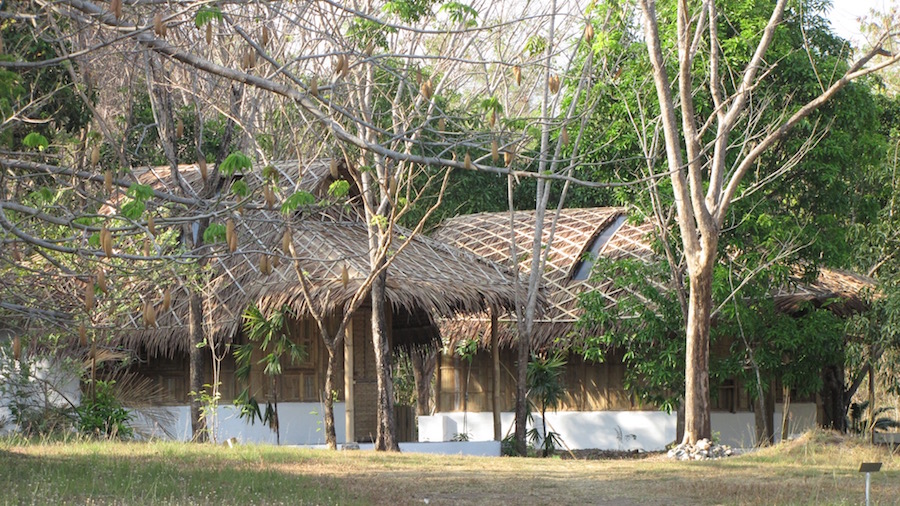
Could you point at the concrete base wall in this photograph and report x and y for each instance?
(302, 423)
(612, 430)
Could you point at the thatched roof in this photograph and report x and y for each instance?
(575, 233)
(426, 276)
(604, 232)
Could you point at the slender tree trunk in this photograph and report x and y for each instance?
(785, 412)
(424, 363)
(330, 437)
(195, 351)
(386, 437)
(696, 402)
(524, 346)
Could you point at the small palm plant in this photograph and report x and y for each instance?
(545, 391)
(862, 423)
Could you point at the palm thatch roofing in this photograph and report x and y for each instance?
(425, 277)
(578, 236)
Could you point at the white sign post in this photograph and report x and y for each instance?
(869, 468)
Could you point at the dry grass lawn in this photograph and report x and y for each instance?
(820, 468)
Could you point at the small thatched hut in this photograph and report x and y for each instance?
(426, 280)
(595, 391)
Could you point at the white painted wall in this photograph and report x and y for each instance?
(614, 430)
(302, 423)
(49, 382)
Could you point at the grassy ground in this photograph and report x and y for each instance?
(818, 469)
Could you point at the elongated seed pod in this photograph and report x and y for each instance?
(158, 25)
(17, 348)
(208, 33)
(345, 70)
(252, 57)
(554, 84)
(230, 235)
(509, 157)
(149, 314)
(426, 89)
(338, 64)
(151, 225)
(146, 247)
(108, 181)
(345, 276)
(264, 264)
(517, 74)
(564, 136)
(95, 155)
(201, 164)
(442, 125)
(89, 296)
(274, 262)
(115, 6)
(495, 151)
(370, 48)
(106, 241)
(467, 161)
(264, 37)
(167, 300)
(492, 118)
(588, 32)
(314, 86)
(101, 280)
(333, 169)
(179, 129)
(392, 185)
(286, 240)
(82, 335)
(269, 195)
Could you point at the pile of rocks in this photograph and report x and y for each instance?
(703, 450)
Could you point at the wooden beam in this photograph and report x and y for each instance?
(495, 394)
(349, 401)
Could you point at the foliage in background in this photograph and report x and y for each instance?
(101, 414)
(546, 389)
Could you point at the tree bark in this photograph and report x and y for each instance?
(330, 437)
(524, 346)
(386, 437)
(696, 371)
(198, 424)
(495, 377)
(424, 363)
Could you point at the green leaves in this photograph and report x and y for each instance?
(214, 233)
(460, 13)
(140, 192)
(339, 189)
(234, 162)
(35, 140)
(300, 198)
(207, 14)
(240, 188)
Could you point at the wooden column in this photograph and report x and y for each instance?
(495, 395)
(349, 410)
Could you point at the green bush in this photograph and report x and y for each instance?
(101, 414)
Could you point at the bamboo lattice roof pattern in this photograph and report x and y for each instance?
(424, 274)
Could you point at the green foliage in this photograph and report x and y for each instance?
(460, 14)
(214, 233)
(240, 188)
(339, 189)
(535, 45)
(35, 140)
(234, 162)
(408, 11)
(861, 422)
(101, 414)
(298, 199)
(544, 380)
(207, 14)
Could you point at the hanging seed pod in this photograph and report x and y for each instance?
(95, 155)
(333, 169)
(149, 315)
(467, 161)
(589, 32)
(426, 89)
(106, 241)
(167, 300)
(495, 151)
(89, 296)
(345, 276)
(269, 195)
(158, 26)
(146, 248)
(509, 157)
(252, 60)
(245, 60)
(286, 241)
(275, 262)
(208, 33)
(345, 70)
(151, 225)
(442, 125)
(564, 136)
(16, 254)
(201, 164)
(101, 280)
(554, 84)
(179, 128)
(517, 75)
(230, 235)
(264, 266)
(108, 181)
(17, 348)
(82, 335)
(370, 48)
(338, 64)
(115, 6)
(93, 353)
(314, 86)
(419, 77)
(392, 185)
(264, 37)
(492, 118)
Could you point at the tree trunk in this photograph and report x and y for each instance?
(195, 351)
(424, 363)
(524, 346)
(834, 408)
(386, 437)
(495, 377)
(785, 412)
(330, 437)
(696, 371)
